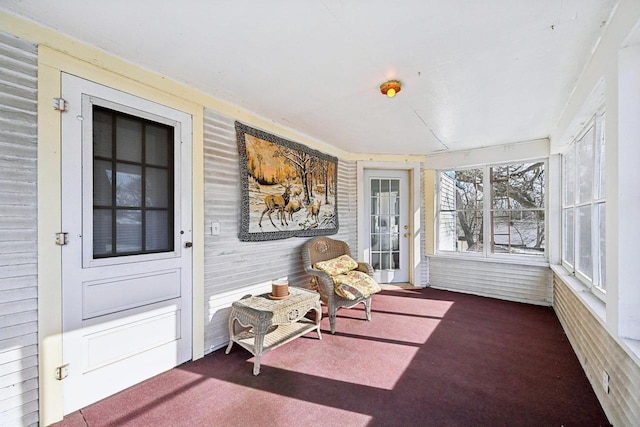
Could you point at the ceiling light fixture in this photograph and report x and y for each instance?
(390, 88)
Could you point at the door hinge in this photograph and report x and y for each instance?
(62, 239)
(59, 104)
(62, 372)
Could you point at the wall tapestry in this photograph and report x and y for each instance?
(288, 189)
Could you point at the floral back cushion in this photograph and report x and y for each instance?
(335, 266)
(355, 284)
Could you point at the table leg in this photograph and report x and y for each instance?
(318, 309)
(260, 332)
(256, 365)
(231, 333)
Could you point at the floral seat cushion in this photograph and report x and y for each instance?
(347, 282)
(353, 285)
(336, 266)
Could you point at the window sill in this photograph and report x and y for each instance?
(598, 310)
(633, 348)
(594, 304)
(493, 259)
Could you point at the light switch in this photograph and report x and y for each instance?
(215, 228)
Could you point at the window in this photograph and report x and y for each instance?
(515, 210)
(583, 206)
(385, 223)
(461, 211)
(133, 209)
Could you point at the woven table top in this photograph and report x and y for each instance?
(263, 308)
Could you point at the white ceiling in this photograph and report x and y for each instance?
(474, 73)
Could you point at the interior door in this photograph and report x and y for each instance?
(388, 223)
(126, 264)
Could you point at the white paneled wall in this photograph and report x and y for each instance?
(234, 268)
(512, 282)
(598, 352)
(18, 233)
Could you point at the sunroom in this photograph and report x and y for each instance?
(502, 165)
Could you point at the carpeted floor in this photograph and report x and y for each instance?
(427, 358)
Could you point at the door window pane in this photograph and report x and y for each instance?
(156, 238)
(395, 260)
(102, 183)
(375, 260)
(128, 185)
(102, 134)
(156, 145)
(102, 238)
(128, 139)
(133, 209)
(375, 187)
(375, 224)
(156, 191)
(395, 242)
(128, 231)
(385, 264)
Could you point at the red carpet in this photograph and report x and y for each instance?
(427, 358)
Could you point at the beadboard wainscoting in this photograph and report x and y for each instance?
(513, 282)
(598, 352)
(234, 268)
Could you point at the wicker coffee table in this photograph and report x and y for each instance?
(269, 323)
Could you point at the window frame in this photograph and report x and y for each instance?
(487, 214)
(439, 194)
(592, 284)
(150, 113)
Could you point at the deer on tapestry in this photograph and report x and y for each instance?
(276, 203)
(313, 210)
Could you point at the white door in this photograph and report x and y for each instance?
(126, 266)
(387, 223)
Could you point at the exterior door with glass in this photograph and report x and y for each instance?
(388, 223)
(126, 262)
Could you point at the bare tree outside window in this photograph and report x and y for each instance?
(517, 214)
(461, 210)
(516, 209)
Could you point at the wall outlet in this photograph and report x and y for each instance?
(605, 381)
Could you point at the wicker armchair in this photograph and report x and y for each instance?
(324, 249)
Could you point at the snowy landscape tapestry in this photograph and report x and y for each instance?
(288, 189)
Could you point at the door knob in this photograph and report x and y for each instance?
(188, 244)
(406, 234)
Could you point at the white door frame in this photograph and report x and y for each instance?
(415, 214)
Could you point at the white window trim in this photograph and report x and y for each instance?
(570, 270)
(486, 255)
(151, 112)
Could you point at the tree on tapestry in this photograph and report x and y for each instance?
(287, 189)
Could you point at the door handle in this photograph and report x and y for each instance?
(188, 244)
(406, 234)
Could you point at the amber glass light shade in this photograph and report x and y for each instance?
(390, 88)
